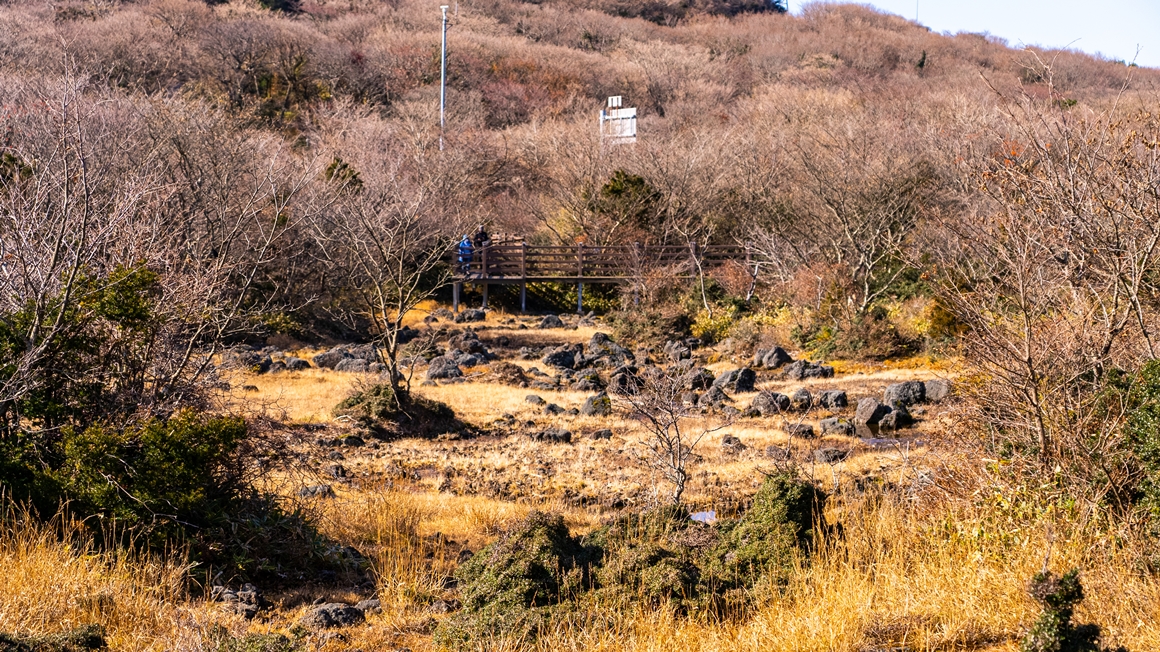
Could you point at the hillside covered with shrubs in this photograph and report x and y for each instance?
(228, 389)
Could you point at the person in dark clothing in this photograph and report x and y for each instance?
(481, 238)
(466, 252)
(481, 242)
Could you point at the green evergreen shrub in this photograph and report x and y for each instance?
(387, 413)
(650, 558)
(165, 473)
(513, 587)
(762, 543)
(1054, 631)
(1142, 433)
(538, 573)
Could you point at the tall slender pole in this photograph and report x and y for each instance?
(443, 80)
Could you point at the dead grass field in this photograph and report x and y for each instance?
(900, 579)
(910, 571)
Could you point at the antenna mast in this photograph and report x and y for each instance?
(443, 78)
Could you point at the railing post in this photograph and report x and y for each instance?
(580, 275)
(523, 277)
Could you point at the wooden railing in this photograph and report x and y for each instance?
(508, 263)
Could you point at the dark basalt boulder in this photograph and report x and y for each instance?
(470, 316)
(802, 400)
(441, 368)
(597, 406)
(774, 358)
(331, 615)
(803, 369)
(328, 359)
(870, 411)
(803, 430)
(553, 436)
(937, 389)
(737, 380)
(551, 321)
(911, 392)
(770, 403)
(836, 426)
(833, 399)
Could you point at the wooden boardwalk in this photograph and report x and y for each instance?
(517, 263)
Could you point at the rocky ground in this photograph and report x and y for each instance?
(544, 423)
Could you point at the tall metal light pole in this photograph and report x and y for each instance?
(443, 79)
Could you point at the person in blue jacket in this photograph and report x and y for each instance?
(465, 253)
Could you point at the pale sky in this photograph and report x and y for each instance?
(1113, 28)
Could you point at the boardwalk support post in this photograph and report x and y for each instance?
(580, 275)
(755, 267)
(455, 296)
(523, 277)
(483, 273)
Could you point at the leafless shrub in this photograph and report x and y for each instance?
(673, 427)
(395, 208)
(1052, 270)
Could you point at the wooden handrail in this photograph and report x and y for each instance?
(517, 261)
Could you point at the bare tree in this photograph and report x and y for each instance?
(72, 210)
(849, 196)
(396, 209)
(236, 198)
(129, 250)
(673, 427)
(1053, 274)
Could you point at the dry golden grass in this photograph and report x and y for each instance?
(908, 572)
(52, 579)
(590, 469)
(899, 577)
(307, 396)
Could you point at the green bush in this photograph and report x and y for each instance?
(181, 480)
(515, 586)
(1142, 433)
(377, 403)
(164, 474)
(93, 364)
(1054, 631)
(757, 551)
(536, 563)
(77, 430)
(388, 414)
(648, 558)
(538, 573)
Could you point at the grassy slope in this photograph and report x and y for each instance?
(944, 572)
(940, 571)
